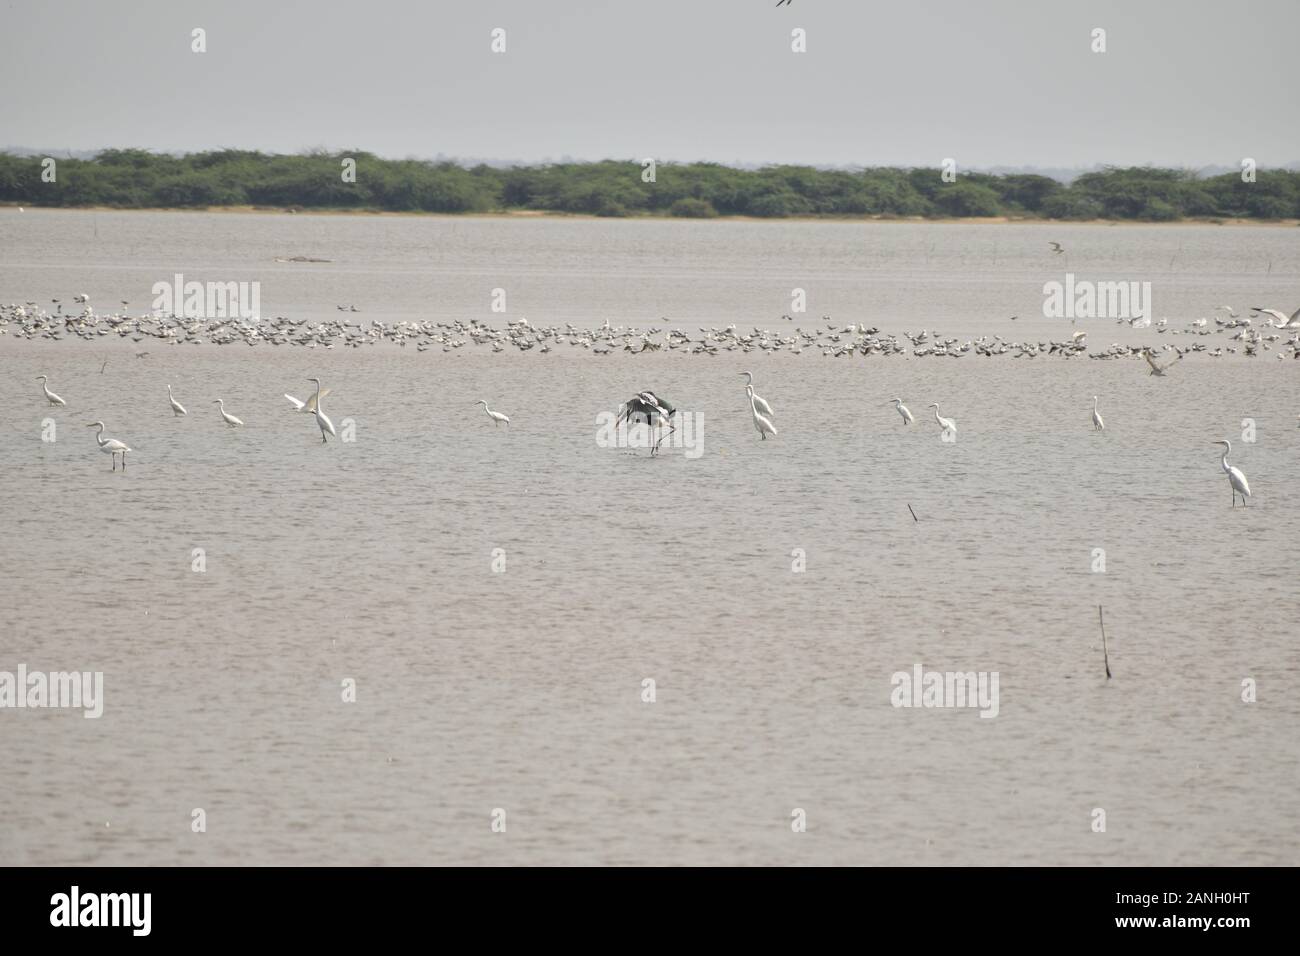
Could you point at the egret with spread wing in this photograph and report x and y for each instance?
(322, 420)
(308, 406)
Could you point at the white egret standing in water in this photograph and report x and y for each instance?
(1097, 423)
(49, 396)
(322, 419)
(496, 417)
(902, 410)
(231, 420)
(177, 407)
(947, 424)
(759, 403)
(111, 446)
(1235, 476)
(764, 426)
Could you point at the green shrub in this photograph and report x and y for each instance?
(689, 208)
(227, 177)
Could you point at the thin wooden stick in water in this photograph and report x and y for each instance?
(1105, 655)
(914, 517)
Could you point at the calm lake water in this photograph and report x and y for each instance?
(522, 689)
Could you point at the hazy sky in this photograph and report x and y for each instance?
(1011, 82)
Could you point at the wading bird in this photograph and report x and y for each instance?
(764, 426)
(322, 420)
(49, 396)
(113, 447)
(759, 403)
(496, 417)
(651, 410)
(947, 424)
(177, 407)
(230, 419)
(902, 410)
(308, 406)
(1235, 476)
(1097, 423)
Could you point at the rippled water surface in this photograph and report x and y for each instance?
(372, 560)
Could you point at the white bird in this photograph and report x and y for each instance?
(1283, 322)
(764, 426)
(1097, 423)
(111, 446)
(759, 403)
(1157, 368)
(947, 424)
(497, 417)
(322, 419)
(81, 298)
(902, 410)
(49, 396)
(1235, 476)
(231, 420)
(308, 406)
(177, 407)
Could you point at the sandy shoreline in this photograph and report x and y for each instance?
(544, 214)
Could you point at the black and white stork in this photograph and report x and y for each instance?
(651, 410)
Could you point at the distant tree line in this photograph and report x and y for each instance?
(135, 178)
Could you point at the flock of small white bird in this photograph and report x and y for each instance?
(1278, 333)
